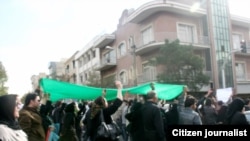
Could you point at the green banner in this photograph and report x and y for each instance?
(59, 90)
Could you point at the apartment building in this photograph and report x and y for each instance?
(70, 69)
(86, 60)
(124, 54)
(215, 34)
(57, 69)
(35, 80)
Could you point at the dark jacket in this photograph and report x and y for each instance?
(92, 124)
(234, 114)
(152, 120)
(209, 115)
(68, 127)
(31, 123)
(135, 127)
(239, 119)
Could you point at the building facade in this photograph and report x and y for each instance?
(70, 69)
(35, 80)
(57, 69)
(216, 35)
(86, 60)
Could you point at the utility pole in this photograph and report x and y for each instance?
(133, 46)
(134, 65)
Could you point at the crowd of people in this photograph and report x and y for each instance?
(140, 117)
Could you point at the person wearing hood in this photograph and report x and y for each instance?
(9, 111)
(235, 115)
(68, 132)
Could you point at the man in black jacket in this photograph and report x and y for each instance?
(152, 119)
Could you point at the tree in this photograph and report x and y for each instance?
(108, 82)
(3, 79)
(62, 77)
(181, 66)
(94, 79)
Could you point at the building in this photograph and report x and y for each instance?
(57, 69)
(35, 80)
(86, 60)
(70, 69)
(215, 34)
(124, 54)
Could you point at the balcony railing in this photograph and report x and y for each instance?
(107, 63)
(158, 37)
(151, 75)
(243, 78)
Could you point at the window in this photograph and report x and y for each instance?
(131, 42)
(106, 57)
(149, 72)
(93, 53)
(123, 77)
(131, 73)
(84, 59)
(88, 57)
(67, 69)
(86, 76)
(109, 57)
(240, 71)
(74, 64)
(81, 79)
(122, 49)
(147, 35)
(80, 62)
(186, 33)
(74, 78)
(236, 40)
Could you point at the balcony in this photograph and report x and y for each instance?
(158, 39)
(240, 21)
(150, 8)
(106, 63)
(243, 87)
(239, 52)
(104, 40)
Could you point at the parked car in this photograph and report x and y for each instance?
(247, 114)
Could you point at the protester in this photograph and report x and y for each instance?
(247, 104)
(235, 115)
(68, 132)
(30, 119)
(189, 116)
(152, 119)
(9, 113)
(135, 126)
(48, 123)
(92, 120)
(222, 112)
(57, 117)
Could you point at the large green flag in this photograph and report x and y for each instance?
(59, 90)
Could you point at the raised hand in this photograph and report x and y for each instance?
(118, 84)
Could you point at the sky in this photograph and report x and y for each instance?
(35, 32)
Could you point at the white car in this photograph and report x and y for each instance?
(247, 114)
